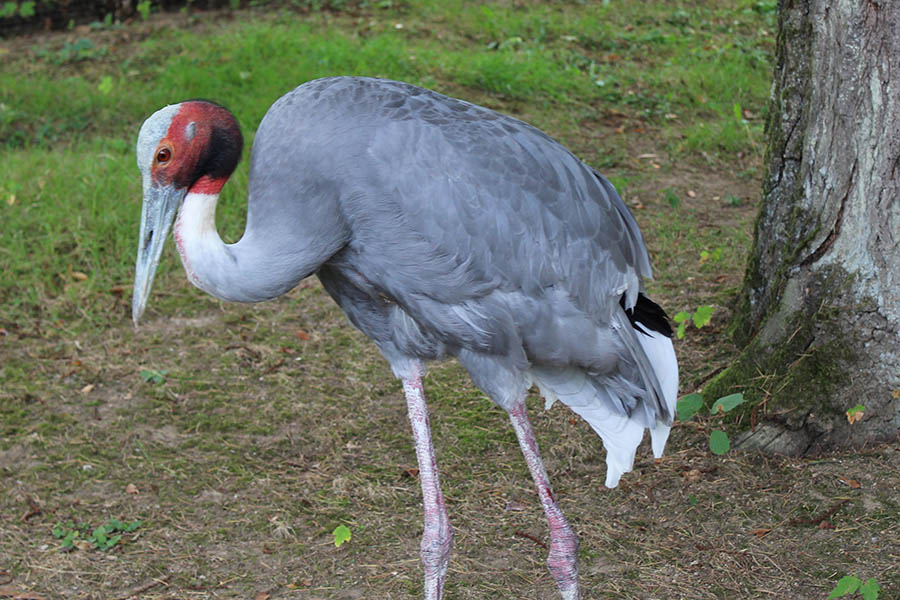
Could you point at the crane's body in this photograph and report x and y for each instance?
(441, 228)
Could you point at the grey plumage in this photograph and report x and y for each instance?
(458, 228)
(441, 228)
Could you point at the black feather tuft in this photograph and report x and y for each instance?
(649, 315)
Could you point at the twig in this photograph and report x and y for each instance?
(143, 588)
(272, 368)
(531, 537)
(817, 520)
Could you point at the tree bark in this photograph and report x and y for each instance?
(819, 313)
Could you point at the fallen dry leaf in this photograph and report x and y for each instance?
(692, 194)
(855, 416)
(302, 335)
(692, 475)
(262, 596)
(760, 532)
(79, 276)
(851, 482)
(87, 389)
(132, 489)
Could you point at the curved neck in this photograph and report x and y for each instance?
(256, 268)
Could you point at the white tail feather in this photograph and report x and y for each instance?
(661, 354)
(621, 434)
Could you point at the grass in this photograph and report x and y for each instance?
(275, 423)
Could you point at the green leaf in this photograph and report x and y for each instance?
(131, 526)
(672, 198)
(869, 590)
(726, 403)
(153, 376)
(688, 406)
(738, 114)
(702, 316)
(143, 8)
(8, 10)
(855, 409)
(679, 333)
(846, 585)
(681, 317)
(106, 85)
(26, 11)
(719, 442)
(112, 541)
(100, 536)
(341, 535)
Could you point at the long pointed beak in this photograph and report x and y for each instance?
(157, 214)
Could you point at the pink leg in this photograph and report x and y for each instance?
(563, 558)
(437, 537)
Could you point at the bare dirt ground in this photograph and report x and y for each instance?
(277, 423)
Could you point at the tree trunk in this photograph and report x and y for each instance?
(819, 313)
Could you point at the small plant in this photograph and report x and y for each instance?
(341, 535)
(153, 376)
(79, 50)
(672, 198)
(851, 585)
(733, 201)
(106, 85)
(699, 318)
(714, 256)
(143, 9)
(25, 10)
(690, 405)
(83, 536)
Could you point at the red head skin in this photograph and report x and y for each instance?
(200, 150)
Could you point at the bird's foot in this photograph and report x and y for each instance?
(563, 558)
(436, 543)
(434, 588)
(569, 593)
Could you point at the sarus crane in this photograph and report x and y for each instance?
(441, 228)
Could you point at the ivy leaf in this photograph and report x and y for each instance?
(341, 535)
(726, 403)
(869, 590)
(688, 406)
(719, 442)
(702, 316)
(846, 585)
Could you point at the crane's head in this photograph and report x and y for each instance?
(192, 147)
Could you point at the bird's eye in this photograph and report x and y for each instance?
(163, 155)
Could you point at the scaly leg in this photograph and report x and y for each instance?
(437, 537)
(563, 558)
